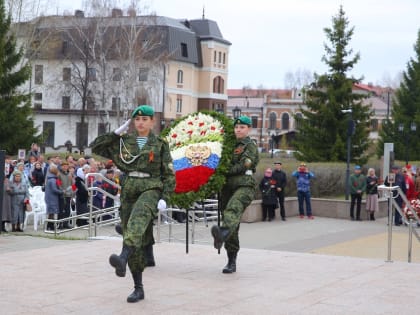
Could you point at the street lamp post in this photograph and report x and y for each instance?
(236, 112)
(272, 145)
(350, 131)
(413, 128)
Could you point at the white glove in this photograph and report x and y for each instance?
(123, 128)
(161, 204)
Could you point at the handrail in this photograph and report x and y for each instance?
(389, 192)
(93, 214)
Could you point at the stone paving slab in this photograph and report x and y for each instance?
(75, 278)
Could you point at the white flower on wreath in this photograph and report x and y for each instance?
(196, 128)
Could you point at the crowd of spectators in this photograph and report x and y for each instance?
(66, 188)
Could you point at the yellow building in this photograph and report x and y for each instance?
(89, 73)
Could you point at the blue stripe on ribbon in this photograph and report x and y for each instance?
(183, 163)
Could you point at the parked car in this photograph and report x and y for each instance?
(277, 152)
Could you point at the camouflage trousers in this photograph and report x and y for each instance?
(137, 215)
(234, 202)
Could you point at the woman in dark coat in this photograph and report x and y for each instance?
(268, 187)
(37, 176)
(82, 195)
(52, 195)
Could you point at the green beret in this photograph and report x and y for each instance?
(243, 120)
(143, 110)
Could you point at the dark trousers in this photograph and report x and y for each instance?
(268, 211)
(355, 199)
(397, 215)
(280, 196)
(64, 210)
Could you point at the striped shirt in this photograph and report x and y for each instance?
(141, 141)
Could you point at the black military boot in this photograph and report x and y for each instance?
(120, 262)
(148, 255)
(372, 216)
(138, 293)
(231, 265)
(118, 229)
(220, 234)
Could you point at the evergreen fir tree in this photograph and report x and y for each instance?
(16, 122)
(405, 112)
(323, 129)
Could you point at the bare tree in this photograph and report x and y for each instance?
(298, 79)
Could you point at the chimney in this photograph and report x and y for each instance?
(79, 14)
(132, 12)
(116, 13)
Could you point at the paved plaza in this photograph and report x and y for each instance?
(321, 266)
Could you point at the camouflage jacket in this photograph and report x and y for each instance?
(154, 159)
(245, 157)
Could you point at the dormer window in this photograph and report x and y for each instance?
(184, 50)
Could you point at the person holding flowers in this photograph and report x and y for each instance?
(149, 180)
(268, 187)
(238, 191)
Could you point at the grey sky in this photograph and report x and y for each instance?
(272, 37)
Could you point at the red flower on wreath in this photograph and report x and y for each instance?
(191, 179)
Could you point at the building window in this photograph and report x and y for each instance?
(39, 74)
(218, 107)
(298, 119)
(254, 120)
(285, 121)
(218, 85)
(64, 47)
(67, 74)
(143, 74)
(38, 97)
(215, 56)
(224, 58)
(65, 102)
(82, 135)
(220, 57)
(272, 121)
(48, 131)
(38, 100)
(180, 77)
(184, 50)
(91, 74)
(90, 101)
(102, 128)
(116, 102)
(116, 74)
(374, 125)
(179, 104)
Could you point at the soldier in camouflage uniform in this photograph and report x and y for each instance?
(145, 159)
(237, 193)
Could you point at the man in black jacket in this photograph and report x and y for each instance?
(399, 180)
(281, 179)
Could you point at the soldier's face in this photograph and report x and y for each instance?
(241, 131)
(143, 125)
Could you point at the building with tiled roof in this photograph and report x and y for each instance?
(177, 66)
(272, 112)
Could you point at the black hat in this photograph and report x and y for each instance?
(277, 162)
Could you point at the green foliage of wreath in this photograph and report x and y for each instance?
(218, 179)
